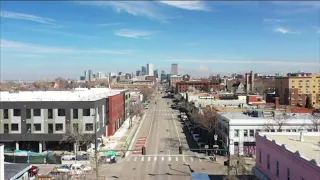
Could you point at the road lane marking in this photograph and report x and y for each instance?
(155, 159)
(135, 159)
(149, 158)
(169, 158)
(142, 158)
(177, 159)
(162, 159)
(191, 159)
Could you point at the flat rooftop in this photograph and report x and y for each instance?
(78, 94)
(240, 116)
(308, 149)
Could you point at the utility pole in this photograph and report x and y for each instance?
(96, 144)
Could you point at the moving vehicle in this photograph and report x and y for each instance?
(33, 171)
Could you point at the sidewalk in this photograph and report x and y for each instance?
(122, 138)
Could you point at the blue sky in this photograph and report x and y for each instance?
(50, 39)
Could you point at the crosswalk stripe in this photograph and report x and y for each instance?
(162, 159)
(142, 158)
(155, 158)
(169, 158)
(191, 159)
(177, 159)
(135, 159)
(149, 158)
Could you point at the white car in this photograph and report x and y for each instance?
(80, 167)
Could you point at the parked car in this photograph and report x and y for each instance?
(34, 171)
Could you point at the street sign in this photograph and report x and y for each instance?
(215, 137)
(206, 146)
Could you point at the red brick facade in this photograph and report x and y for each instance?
(183, 86)
(116, 113)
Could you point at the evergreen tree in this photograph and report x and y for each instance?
(308, 103)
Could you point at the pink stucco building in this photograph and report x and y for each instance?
(288, 156)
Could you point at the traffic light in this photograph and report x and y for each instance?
(180, 149)
(143, 150)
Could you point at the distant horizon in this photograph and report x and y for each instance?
(204, 76)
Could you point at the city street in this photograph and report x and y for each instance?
(162, 133)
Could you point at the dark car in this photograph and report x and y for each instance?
(34, 171)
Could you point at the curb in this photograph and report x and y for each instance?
(138, 125)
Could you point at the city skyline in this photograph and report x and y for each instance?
(228, 38)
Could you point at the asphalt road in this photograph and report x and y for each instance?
(162, 133)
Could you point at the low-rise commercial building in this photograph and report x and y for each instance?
(207, 86)
(287, 155)
(38, 120)
(238, 130)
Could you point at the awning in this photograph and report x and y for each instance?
(259, 174)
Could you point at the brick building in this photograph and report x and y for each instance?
(116, 112)
(295, 88)
(183, 86)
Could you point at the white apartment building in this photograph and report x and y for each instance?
(239, 129)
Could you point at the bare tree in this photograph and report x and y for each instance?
(277, 122)
(135, 109)
(315, 120)
(206, 120)
(146, 93)
(238, 170)
(75, 135)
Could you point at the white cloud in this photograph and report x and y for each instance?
(204, 69)
(284, 30)
(134, 33)
(188, 5)
(59, 33)
(109, 24)
(26, 55)
(274, 20)
(136, 8)
(271, 63)
(27, 17)
(317, 29)
(20, 47)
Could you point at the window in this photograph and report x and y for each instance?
(28, 128)
(277, 170)
(268, 162)
(89, 127)
(59, 126)
(37, 112)
(37, 127)
(15, 127)
(75, 114)
(236, 133)
(50, 128)
(6, 128)
(260, 156)
(61, 112)
(245, 133)
(288, 174)
(86, 112)
(294, 130)
(75, 127)
(50, 113)
(251, 133)
(5, 114)
(28, 113)
(16, 112)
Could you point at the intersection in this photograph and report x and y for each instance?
(161, 132)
